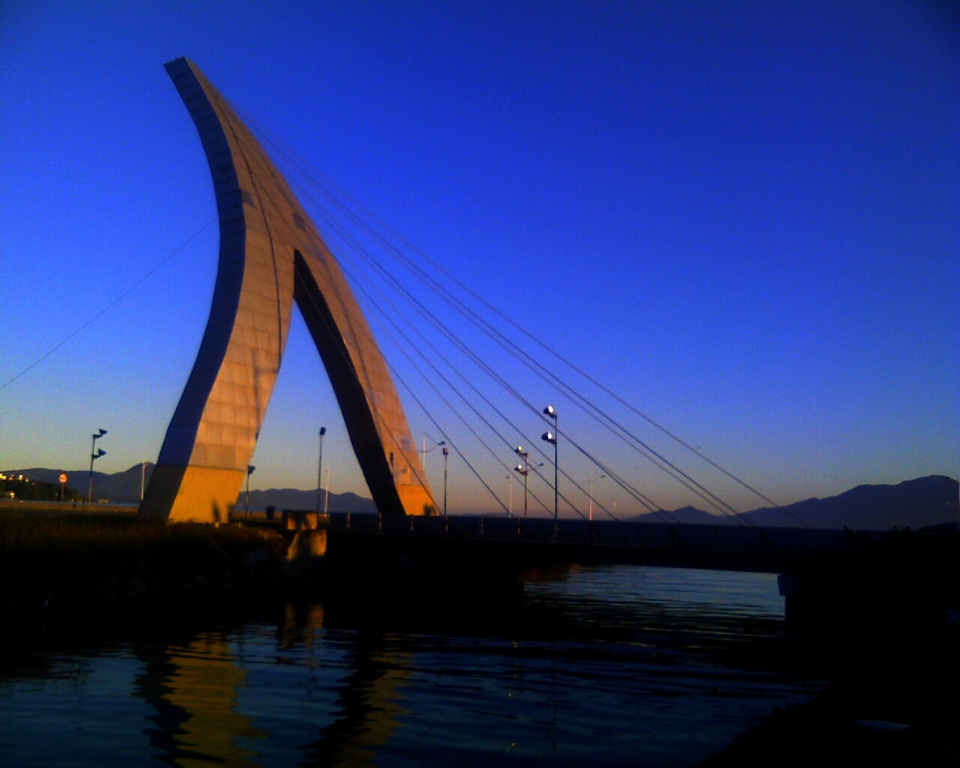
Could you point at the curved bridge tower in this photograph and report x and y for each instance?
(270, 256)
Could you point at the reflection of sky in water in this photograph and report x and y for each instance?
(609, 666)
(726, 592)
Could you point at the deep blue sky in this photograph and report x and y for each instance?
(742, 217)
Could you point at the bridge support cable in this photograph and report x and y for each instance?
(361, 217)
(430, 318)
(363, 288)
(381, 300)
(353, 244)
(453, 444)
(661, 514)
(83, 326)
(649, 453)
(430, 383)
(650, 505)
(592, 380)
(548, 376)
(566, 500)
(537, 368)
(383, 428)
(635, 493)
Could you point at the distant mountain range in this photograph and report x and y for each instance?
(124, 488)
(919, 503)
(292, 498)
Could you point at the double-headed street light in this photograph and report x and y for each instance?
(94, 455)
(551, 437)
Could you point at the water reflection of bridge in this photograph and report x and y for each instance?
(203, 712)
(203, 690)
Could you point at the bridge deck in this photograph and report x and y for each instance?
(745, 548)
(865, 583)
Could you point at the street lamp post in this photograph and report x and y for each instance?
(524, 470)
(424, 450)
(94, 455)
(551, 437)
(590, 514)
(446, 453)
(323, 431)
(250, 470)
(423, 464)
(326, 492)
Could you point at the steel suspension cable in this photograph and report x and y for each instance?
(450, 298)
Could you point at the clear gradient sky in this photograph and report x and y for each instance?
(743, 217)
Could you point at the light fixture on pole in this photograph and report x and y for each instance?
(94, 455)
(424, 450)
(551, 437)
(423, 462)
(323, 431)
(250, 470)
(446, 453)
(590, 514)
(523, 470)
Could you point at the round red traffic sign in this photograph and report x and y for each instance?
(63, 477)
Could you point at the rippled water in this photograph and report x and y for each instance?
(608, 666)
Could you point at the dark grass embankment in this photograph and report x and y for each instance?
(51, 566)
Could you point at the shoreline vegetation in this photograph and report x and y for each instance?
(55, 563)
(65, 576)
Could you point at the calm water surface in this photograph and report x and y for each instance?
(608, 666)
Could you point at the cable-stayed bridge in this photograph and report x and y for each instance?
(481, 384)
(397, 330)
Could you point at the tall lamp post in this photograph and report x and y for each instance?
(523, 470)
(446, 453)
(323, 431)
(326, 492)
(551, 437)
(424, 450)
(590, 515)
(94, 455)
(250, 470)
(423, 464)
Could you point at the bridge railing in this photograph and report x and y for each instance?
(612, 534)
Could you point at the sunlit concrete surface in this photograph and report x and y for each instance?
(270, 256)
